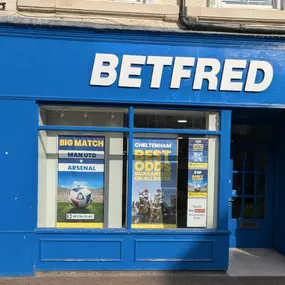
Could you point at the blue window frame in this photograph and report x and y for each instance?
(223, 133)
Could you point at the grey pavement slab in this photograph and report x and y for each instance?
(147, 280)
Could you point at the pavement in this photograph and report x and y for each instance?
(179, 279)
(256, 262)
(246, 267)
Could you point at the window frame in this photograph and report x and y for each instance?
(276, 4)
(225, 121)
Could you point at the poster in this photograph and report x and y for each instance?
(197, 183)
(80, 196)
(154, 183)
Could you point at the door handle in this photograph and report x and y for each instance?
(230, 201)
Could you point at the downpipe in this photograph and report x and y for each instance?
(191, 23)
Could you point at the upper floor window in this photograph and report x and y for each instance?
(259, 4)
(136, 1)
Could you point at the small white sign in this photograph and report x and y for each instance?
(70, 216)
(197, 213)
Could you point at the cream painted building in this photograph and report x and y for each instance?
(152, 14)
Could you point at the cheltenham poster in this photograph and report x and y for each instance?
(154, 183)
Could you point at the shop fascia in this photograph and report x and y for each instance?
(105, 72)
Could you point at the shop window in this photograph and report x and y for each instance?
(82, 175)
(83, 172)
(174, 181)
(170, 119)
(83, 116)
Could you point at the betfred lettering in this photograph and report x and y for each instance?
(226, 75)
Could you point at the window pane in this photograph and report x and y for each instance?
(249, 2)
(261, 161)
(237, 183)
(82, 180)
(249, 184)
(238, 160)
(174, 181)
(236, 208)
(260, 184)
(249, 161)
(248, 208)
(83, 116)
(171, 119)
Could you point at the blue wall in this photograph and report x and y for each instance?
(18, 168)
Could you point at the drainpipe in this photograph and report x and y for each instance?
(191, 23)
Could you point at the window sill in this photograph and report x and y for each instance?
(133, 231)
(149, 11)
(237, 15)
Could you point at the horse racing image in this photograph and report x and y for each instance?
(154, 183)
(156, 208)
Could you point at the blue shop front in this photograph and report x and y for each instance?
(138, 151)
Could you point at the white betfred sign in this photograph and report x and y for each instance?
(105, 72)
(197, 213)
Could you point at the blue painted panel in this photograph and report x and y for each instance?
(177, 250)
(138, 251)
(252, 239)
(78, 250)
(62, 63)
(17, 254)
(18, 167)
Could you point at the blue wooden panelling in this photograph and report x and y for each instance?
(131, 251)
(165, 250)
(17, 257)
(78, 250)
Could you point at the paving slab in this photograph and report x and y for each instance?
(189, 279)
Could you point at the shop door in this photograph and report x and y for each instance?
(251, 213)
